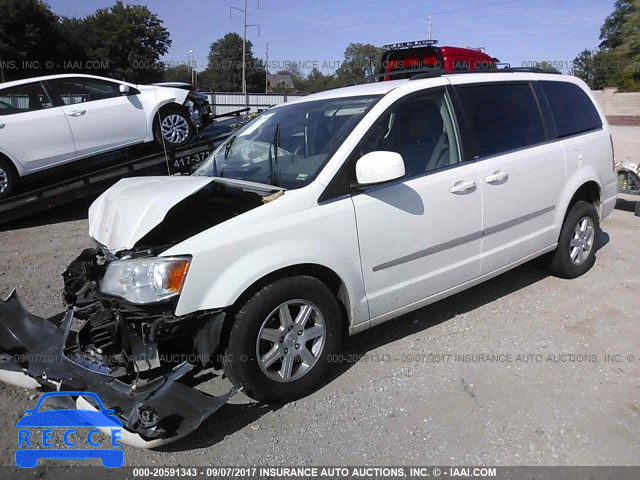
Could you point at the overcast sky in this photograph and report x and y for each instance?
(316, 32)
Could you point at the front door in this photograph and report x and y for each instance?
(420, 235)
(101, 118)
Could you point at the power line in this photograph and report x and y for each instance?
(397, 19)
(209, 27)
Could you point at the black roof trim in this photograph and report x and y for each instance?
(437, 72)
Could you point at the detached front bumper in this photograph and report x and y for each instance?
(158, 412)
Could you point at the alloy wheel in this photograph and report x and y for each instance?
(582, 240)
(290, 340)
(4, 181)
(174, 128)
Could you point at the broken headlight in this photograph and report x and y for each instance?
(145, 280)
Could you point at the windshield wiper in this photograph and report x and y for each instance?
(273, 159)
(227, 147)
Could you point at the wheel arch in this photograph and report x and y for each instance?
(323, 273)
(587, 189)
(13, 164)
(163, 105)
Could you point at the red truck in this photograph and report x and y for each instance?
(402, 60)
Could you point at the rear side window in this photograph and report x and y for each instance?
(571, 107)
(24, 98)
(501, 117)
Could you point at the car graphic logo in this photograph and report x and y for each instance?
(79, 446)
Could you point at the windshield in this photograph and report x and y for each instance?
(287, 146)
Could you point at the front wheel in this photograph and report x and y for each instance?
(173, 128)
(576, 251)
(283, 339)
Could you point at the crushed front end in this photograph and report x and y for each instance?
(141, 360)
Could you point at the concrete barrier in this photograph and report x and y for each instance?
(621, 108)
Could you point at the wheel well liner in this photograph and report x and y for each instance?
(588, 192)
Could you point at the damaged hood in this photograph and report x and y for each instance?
(134, 206)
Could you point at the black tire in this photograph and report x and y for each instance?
(8, 178)
(562, 264)
(184, 127)
(241, 357)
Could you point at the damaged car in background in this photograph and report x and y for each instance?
(320, 217)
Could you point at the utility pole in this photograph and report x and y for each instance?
(429, 26)
(266, 72)
(244, 47)
(244, 54)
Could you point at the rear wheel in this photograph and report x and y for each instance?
(283, 338)
(7, 178)
(576, 251)
(173, 128)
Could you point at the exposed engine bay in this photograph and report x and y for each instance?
(140, 359)
(126, 340)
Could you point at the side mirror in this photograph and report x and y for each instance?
(379, 167)
(124, 89)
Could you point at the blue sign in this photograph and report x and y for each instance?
(64, 423)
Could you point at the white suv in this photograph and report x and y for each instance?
(330, 215)
(48, 121)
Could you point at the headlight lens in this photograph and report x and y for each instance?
(145, 280)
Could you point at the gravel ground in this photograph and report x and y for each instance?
(404, 394)
(399, 398)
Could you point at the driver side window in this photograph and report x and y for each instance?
(421, 129)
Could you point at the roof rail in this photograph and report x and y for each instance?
(437, 72)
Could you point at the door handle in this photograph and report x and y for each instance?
(76, 113)
(463, 186)
(497, 176)
(2, 125)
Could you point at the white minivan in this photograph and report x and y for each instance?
(324, 217)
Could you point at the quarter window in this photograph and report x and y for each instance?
(501, 117)
(572, 108)
(418, 127)
(81, 90)
(24, 98)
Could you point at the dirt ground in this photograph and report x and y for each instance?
(525, 369)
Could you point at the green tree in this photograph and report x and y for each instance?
(30, 36)
(361, 61)
(590, 66)
(224, 70)
(617, 61)
(318, 82)
(547, 67)
(130, 39)
(628, 52)
(179, 73)
(611, 31)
